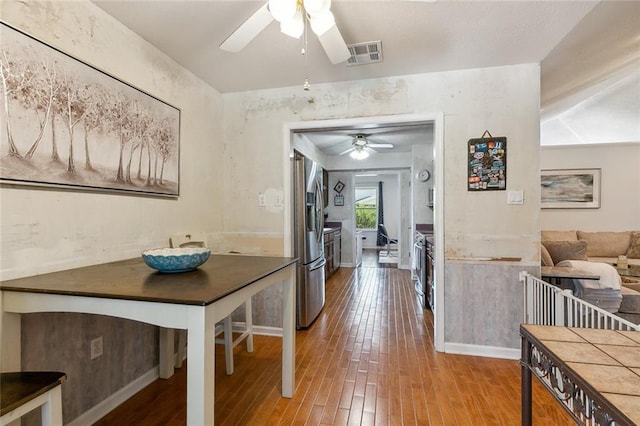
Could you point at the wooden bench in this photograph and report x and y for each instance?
(25, 391)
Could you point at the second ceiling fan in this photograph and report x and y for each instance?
(293, 16)
(361, 147)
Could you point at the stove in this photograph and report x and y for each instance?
(423, 268)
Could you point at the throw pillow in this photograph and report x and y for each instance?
(634, 246)
(545, 257)
(566, 250)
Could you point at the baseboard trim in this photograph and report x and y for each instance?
(263, 330)
(114, 400)
(105, 407)
(484, 351)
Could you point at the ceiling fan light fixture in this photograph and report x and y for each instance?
(294, 26)
(321, 23)
(315, 7)
(359, 154)
(283, 10)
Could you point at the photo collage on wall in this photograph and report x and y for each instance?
(487, 164)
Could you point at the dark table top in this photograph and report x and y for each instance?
(566, 272)
(133, 280)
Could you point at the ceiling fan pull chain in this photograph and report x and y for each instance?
(306, 86)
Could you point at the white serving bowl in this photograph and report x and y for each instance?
(173, 260)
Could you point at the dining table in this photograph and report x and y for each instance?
(194, 301)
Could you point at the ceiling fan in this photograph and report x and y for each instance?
(293, 16)
(361, 147)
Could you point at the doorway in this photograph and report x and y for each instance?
(363, 124)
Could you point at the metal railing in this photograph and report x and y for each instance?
(545, 304)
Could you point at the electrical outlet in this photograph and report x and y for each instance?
(96, 347)
(262, 200)
(278, 201)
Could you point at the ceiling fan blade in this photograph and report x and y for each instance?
(380, 145)
(248, 30)
(334, 45)
(347, 151)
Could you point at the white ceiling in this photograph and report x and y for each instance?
(417, 37)
(337, 141)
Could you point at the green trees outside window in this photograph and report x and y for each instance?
(366, 208)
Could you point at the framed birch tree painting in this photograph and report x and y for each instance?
(69, 125)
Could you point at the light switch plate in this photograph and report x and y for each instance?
(515, 197)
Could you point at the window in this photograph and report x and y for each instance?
(367, 208)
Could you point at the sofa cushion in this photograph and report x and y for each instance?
(566, 250)
(558, 235)
(630, 301)
(545, 257)
(608, 244)
(634, 246)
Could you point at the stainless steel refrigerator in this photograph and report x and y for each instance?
(308, 239)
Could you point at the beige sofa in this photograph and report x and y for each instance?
(600, 246)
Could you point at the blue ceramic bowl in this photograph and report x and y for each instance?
(173, 260)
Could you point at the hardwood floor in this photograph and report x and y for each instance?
(367, 360)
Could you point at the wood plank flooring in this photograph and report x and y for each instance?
(367, 360)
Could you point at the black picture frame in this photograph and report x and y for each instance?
(487, 164)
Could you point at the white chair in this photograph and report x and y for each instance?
(25, 391)
(199, 240)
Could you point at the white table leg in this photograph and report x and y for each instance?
(181, 351)
(9, 340)
(228, 344)
(166, 361)
(288, 333)
(200, 366)
(51, 411)
(248, 320)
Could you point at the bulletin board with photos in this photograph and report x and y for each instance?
(487, 164)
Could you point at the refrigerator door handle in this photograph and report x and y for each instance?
(318, 264)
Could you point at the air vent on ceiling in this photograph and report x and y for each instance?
(365, 53)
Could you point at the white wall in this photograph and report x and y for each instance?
(422, 159)
(620, 187)
(48, 229)
(473, 101)
(44, 230)
(344, 214)
(503, 100)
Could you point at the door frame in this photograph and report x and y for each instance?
(438, 124)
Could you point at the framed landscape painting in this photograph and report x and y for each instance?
(66, 124)
(570, 188)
